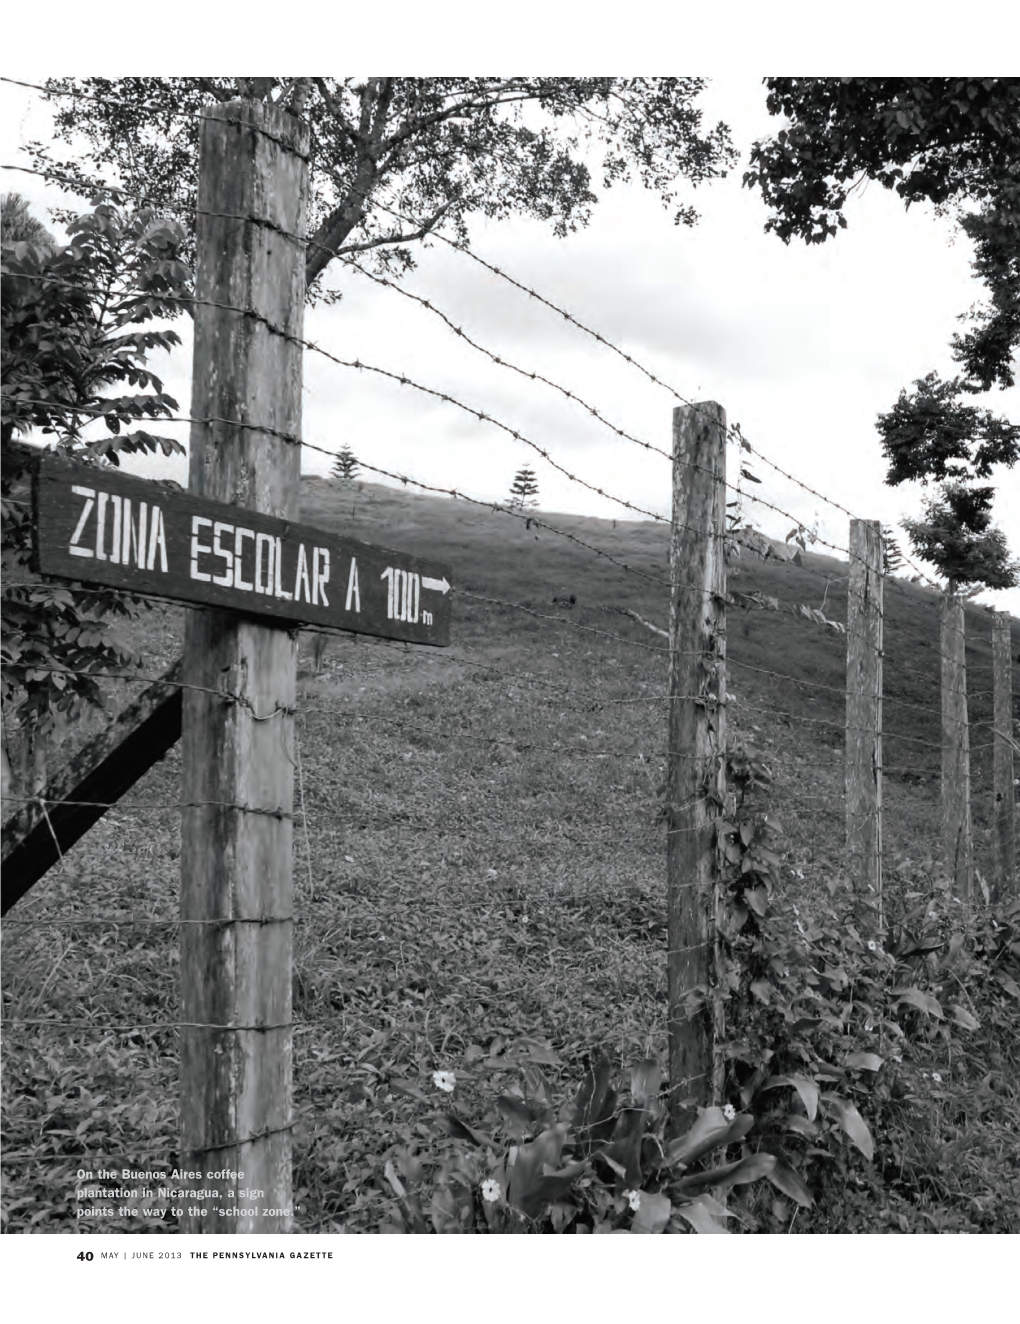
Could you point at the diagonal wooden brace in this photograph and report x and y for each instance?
(36, 837)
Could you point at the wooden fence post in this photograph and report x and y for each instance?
(864, 712)
(1004, 819)
(956, 832)
(240, 682)
(696, 772)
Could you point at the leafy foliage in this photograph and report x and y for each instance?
(957, 538)
(824, 1022)
(76, 323)
(600, 1163)
(440, 148)
(934, 139)
(931, 435)
(950, 141)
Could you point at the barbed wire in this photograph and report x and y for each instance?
(733, 432)
(299, 1025)
(518, 436)
(498, 359)
(482, 416)
(46, 802)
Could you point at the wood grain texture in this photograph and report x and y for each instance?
(956, 827)
(36, 837)
(864, 625)
(1004, 864)
(696, 775)
(238, 751)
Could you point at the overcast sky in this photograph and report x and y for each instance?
(802, 346)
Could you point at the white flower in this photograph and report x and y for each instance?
(936, 1078)
(444, 1080)
(633, 1199)
(524, 919)
(729, 1112)
(491, 1190)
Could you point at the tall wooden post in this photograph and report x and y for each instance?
(864, 713)
(956, 831)
(236, 886)
(696, 773)
(1004, 818)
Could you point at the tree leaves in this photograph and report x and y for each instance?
(947, 141)
(74, 325)
(444, 148)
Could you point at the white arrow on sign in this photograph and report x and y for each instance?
(440, 584)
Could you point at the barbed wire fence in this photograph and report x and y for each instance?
(403, 729)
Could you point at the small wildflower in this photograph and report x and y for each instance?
(524, 919)
(491, 1190)
(444, 1080)
(872, 945)
(633, 1199)
(729, 1112)
(936, 1078)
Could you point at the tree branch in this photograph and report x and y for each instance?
(207, 85)
(414, 126)
(335, 109)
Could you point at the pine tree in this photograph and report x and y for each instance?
(892, 557)
(524, 489)
(345, 467)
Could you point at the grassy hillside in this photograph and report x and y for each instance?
(480, 882)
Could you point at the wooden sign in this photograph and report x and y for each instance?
(100, 526)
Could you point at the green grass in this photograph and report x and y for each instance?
(478, 859)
